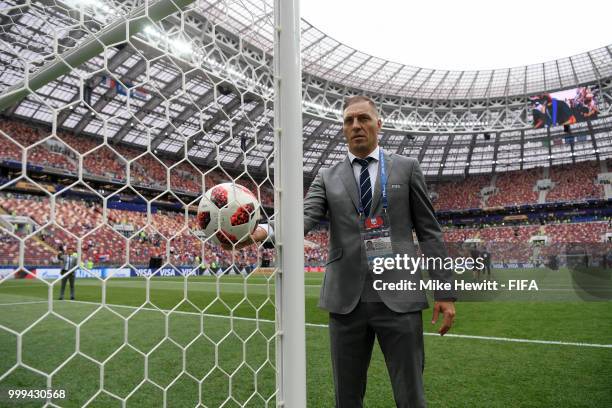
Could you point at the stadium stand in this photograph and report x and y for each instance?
(570, 183)
(460, 195)
(578, 232)
(104, 244)
(575, 182)
(102, 161)
(512, 243)
(558, 232)
(515, 188)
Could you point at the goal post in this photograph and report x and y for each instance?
(289, 179)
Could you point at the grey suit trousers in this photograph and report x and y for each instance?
(400, 336)
(67, 276)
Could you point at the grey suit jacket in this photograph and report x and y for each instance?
(334, 194)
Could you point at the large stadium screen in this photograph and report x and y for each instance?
(564, 107)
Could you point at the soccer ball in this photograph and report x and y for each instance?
(228, 213)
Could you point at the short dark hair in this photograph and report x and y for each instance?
(351, 100)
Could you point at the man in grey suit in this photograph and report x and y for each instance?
(69, 261)
(348, 192)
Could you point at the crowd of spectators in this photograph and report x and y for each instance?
(47, 154)
(129, 237)
(515, 188)
(111, 162)
(35, 251)
(462, 195)
(172, 236)
(166, 234)
(559, 232)
(575, 182)
(315, 250)
(515, 244)
(570, 182)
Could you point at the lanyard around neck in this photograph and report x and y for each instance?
(383, 179)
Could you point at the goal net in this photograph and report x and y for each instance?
(117, 118)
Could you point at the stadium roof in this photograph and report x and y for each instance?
(441, 117)
(327, 58)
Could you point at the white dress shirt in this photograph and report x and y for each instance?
(372, 167)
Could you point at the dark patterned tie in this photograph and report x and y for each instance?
(365, 186)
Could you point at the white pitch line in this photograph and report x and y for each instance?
(226, 283)
(24, 303)
(513, 340)
(321, 325)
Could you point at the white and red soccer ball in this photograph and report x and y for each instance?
(228, 213)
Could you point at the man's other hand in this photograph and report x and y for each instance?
(448, 311)
(259, 235)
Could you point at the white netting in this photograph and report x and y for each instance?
(108, 162)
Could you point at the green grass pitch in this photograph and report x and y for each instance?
(184, 327)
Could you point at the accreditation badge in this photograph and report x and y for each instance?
(376, 235)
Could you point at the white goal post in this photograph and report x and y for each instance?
(288, 140)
